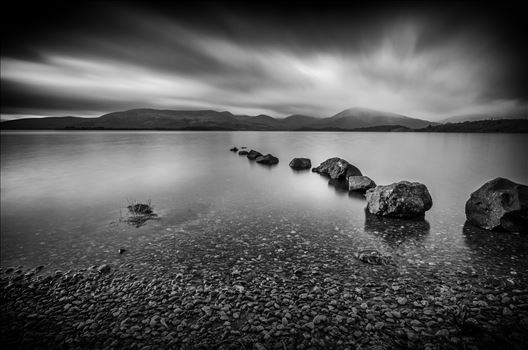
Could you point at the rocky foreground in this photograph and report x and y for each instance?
(219, 284)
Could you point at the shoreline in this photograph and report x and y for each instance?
(213, 287)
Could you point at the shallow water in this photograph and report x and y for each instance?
(63, 193)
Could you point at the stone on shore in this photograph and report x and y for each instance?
(337, 169)
(499, 204)
(360, 183)
(402, 199)
(268, 159)
(243, 153)
(300, 163)
(253, 155)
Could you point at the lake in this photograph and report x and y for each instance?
(63, 193)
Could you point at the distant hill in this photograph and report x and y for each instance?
(51, 123)
(147, 119)
(385, 128)
(482, 126)
(474, 117)
(354, 118)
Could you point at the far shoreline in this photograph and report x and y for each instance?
(276, 131)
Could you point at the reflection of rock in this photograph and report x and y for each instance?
(500, 250)
(337, 169)
(360, 183)
(402, 199)
(234, 149)
(243, 153)
(253, 154)
(499, 204)
(339, 186)
(395, 230)
(300, 163)
(268, 159)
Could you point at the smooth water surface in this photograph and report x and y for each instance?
(63, 193)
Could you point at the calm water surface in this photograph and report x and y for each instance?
(63, 193)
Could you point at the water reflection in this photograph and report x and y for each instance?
(341, 187)
(396, 231)
(301, 171)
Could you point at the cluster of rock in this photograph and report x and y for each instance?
(401, 199)
(498, 204)
(256, 156)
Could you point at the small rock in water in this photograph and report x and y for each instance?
(373, 257)
(234, 149)
(360, 183)
(121, 250)
(499, 204)
(402, 199)
(300, 163)
(105, 268)
(337, 169)
(268, 159)
(252, 155)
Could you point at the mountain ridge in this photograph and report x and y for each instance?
(351, 119)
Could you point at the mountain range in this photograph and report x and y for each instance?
(156, 119)
(352, 119)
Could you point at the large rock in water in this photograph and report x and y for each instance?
(268, 159)
(337, 169)
(499, 204)
(300, 163)
(253, 155)
(360, 183)
(402, 199)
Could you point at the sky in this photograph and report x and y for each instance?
(429, 61)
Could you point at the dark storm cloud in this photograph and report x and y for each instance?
(312, 58)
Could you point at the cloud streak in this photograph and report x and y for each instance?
(399, 63)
